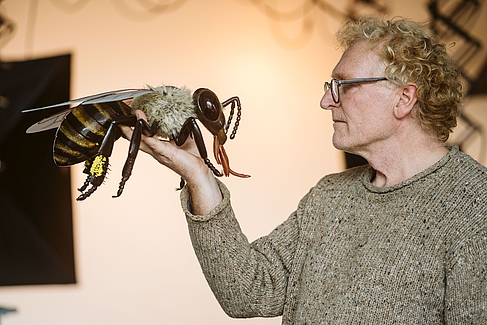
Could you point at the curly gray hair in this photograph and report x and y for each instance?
(413, 54)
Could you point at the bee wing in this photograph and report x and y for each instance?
(109, 96)
(116, 96)
(51, 122)
(54, 121)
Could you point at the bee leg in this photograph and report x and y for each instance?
(86, 171)
(191, 127)
(113, 133)
(97, 167)
(141, 127)
(86, 194)
(98, 170)
(85, 184)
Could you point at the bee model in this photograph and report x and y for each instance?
(88, 131)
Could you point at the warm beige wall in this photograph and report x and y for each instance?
(134, 261)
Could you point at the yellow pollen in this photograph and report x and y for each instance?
(97, 168)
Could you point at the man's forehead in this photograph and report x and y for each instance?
(359, 60)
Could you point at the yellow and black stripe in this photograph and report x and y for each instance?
(82, 131)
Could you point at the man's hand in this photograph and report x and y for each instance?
(186, 162)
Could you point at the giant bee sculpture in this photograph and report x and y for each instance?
(88, 131)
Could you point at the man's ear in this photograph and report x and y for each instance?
(407, 100)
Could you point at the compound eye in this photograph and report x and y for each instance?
(209, 110)
(209, 105)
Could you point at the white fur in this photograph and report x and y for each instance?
(169, 106)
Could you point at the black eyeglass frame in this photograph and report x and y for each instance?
(329, 85)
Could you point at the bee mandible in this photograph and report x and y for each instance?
(88, 131)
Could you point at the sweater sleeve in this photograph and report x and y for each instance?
(248, 279)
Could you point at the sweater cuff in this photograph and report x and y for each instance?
(187, 207)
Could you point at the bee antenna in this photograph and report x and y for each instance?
(234, 101)
(237, 122)
(230, 117)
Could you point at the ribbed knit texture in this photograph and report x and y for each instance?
(353, 253)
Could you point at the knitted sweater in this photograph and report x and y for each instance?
(353, 253)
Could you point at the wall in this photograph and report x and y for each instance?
(134, 260)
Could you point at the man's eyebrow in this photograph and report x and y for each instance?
(339, 76)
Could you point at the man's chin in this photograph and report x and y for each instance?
(345, 147)
(341, 146)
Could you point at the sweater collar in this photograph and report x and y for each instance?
(370, 173)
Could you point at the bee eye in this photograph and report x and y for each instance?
(209, 105)
(210, 110)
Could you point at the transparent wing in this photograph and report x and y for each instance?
(116, 96)
(54, 121)
(109, 96)
(51, 122)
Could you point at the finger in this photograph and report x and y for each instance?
(151, 144)
(140, 115)
(162, 150)
(126, 131)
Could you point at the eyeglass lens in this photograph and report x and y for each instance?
(334, 85)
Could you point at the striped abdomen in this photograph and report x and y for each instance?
(81, 133)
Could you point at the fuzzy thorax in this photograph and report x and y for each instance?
(168, 106)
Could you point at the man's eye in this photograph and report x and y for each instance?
(348, 87)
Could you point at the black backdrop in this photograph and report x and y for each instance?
(36, 235)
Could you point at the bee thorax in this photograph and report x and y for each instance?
(167, 106)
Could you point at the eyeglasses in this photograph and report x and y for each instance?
(334, 85)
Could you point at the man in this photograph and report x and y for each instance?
(402, 240)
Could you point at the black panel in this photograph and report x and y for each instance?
(36, 235)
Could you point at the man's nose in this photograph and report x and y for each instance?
(327, 101)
